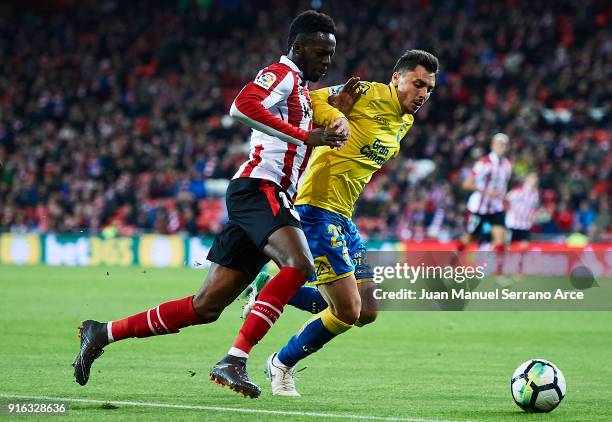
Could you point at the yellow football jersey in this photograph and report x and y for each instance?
(335, 177)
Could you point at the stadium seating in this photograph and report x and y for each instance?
(131, 107)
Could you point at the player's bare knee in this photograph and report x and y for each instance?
(206, 312)
(303, 264)
(367, 317)
(348, 312)
(207, 316)
(307, 269)
(348, 316)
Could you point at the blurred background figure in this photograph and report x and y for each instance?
(523, 202)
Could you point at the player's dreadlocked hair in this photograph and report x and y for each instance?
(412, 58)
(309, 22)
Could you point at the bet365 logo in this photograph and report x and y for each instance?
(376, 152)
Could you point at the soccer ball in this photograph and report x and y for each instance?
(537, 386)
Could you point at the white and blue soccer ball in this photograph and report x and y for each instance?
(537, 386)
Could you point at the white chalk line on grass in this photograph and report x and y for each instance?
(220, 409)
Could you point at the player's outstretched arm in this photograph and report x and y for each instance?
(469, 184)
(320, 137)
(324, 114)
(332, 103)
(347, 97)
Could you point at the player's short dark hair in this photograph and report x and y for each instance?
(309, 22)
(412, 58)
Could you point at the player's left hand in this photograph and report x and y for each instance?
(340, 126)
(346, 99)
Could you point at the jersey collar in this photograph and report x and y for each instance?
(408, 118)
(494, 157)
(286, 60)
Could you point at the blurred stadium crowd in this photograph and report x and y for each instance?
(114, 113)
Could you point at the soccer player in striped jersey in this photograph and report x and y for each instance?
(488, 182)
(523, 201)
(262, 222)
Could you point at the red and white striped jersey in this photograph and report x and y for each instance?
(522, 205)
(491, 175)
(277, 106)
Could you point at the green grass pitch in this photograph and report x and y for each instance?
(408, 365)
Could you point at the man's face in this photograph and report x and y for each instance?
(499, 147)
(314, 54)
(531, 180)
(413, 87)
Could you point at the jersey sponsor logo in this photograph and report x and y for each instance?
(306, 111)
(360, 259)
(305, 104)
(381, 120)
(265, 80)
(375, 152)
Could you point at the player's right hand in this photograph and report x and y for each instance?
(346, 99)
(319, 137)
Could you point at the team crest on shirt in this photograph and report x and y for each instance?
(402, 132)
(265, 80)
(335, 90)
(363, 88)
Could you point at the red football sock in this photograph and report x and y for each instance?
(522, 255)
(461, 246)
(500, 252)
(521, 261)
(166, 318)
(268, 307)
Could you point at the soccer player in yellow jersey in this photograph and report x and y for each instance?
(378, 120)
